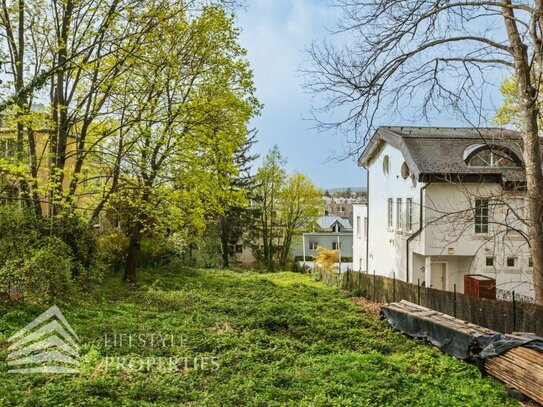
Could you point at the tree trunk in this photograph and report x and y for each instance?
(225, 240)
(133, 254)
(286, 249)
(531, 149)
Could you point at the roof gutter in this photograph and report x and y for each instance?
(419, 230)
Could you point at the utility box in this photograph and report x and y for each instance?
(479, 286)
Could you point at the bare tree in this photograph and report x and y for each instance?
(426, 56)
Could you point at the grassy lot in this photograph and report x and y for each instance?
(280, 339)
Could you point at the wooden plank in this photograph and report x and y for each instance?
(520, 368)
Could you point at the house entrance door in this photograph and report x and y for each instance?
(439, 276)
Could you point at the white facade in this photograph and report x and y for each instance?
(441, 249)
(360, 237)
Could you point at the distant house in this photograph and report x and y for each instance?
(331, 232)
(341, 206)
(445, 202)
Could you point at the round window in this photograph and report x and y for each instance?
(405, 170)
(386, 165)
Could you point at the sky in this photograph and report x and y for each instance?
(275, 34)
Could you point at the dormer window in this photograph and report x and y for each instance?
(486, 155)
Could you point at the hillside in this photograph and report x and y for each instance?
(278, 339)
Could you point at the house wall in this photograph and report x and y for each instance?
(246, 258)
(454, 234)
(360, 239)
(325, 240)
(387, 246)
(84, 190)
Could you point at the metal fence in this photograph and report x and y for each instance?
(501, 316)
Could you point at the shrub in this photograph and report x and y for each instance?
(209, 254)
(47, 274)
(326, 258)
(113, 247)
(18, 233)
(43, 277)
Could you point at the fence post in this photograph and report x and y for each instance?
(454, 301)
(514, 313)
(394, 287)
(374, 288)
(418, 291)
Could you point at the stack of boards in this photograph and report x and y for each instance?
(520, 368)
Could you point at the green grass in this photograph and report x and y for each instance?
(281, 339)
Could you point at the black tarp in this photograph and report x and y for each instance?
(447, 339)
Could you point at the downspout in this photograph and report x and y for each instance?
(419, 230)
(367, 232)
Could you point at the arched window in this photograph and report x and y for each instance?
(405, 170)
(484, 155)
(386, 165)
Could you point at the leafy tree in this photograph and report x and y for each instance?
(184, 114)
(270, 179)
(300, 205)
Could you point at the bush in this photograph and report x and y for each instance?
(47, 274)
(18, 233)
(113, 247)
(43, 277)
(209, 254)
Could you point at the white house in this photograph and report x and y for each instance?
(360, 237)
(331, 232)
(445, 202)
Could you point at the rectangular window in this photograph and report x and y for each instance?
(335, 246)
(530, 262)
(399, 214)
(481, 216)
(390, 213)
(409, 215)
(313, 245)
(490, 261)
(358, 227)
(365, 227)
(511, 262)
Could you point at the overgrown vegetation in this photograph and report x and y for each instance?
(36, 263)
(281, 339)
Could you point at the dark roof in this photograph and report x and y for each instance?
(437, 153)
